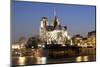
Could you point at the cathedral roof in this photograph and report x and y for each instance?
(49, 28)
(58, 27)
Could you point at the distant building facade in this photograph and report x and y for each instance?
(92, 38)
(77, 40)
(15, 45)
(88, 41)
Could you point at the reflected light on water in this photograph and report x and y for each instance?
(37, 60)
(85, 58)
(21, 60)
(79, 59)
(82, 58)
(41, 60)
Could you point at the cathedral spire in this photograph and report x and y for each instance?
(55, 22)
(54, 12)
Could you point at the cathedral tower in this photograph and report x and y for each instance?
(43, 25)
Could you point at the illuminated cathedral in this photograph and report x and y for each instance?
(53, 33)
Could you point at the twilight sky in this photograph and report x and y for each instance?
(25, 18)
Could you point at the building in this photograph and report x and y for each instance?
(88, 41)
(15, 45)
(92, 38)
(53, 33)
(20, 44)
(77, 40)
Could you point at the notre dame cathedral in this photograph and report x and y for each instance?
(53, 33)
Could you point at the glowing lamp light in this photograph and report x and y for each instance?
(32, 47)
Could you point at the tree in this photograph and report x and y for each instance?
(32, 43)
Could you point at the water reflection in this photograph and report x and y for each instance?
(79, 59)
(40, 60)
(85, 58)
(82, 58)
(33, 60)
(29, 60)
(21, 60)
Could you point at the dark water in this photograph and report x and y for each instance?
(30, 60)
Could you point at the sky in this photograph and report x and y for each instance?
(26, 16)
